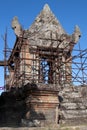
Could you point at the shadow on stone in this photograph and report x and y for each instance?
(13, 108)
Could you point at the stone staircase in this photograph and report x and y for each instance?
(73, 105)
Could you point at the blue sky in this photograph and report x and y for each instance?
(68, 12)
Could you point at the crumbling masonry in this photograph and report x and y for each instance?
(42, 58)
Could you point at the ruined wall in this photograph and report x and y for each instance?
(31, 105)
(41, 105)
(73, 105)
(45, 104)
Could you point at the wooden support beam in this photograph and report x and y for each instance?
(3, 63)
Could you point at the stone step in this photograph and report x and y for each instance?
(75, 122)
(71, 95)
(74, 114)
(73, 106)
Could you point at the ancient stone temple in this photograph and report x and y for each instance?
(41, 53)
(41, 62)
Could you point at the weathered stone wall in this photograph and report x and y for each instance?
(45, 104)
(31, 105)
(73, 105)
(38, 105)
